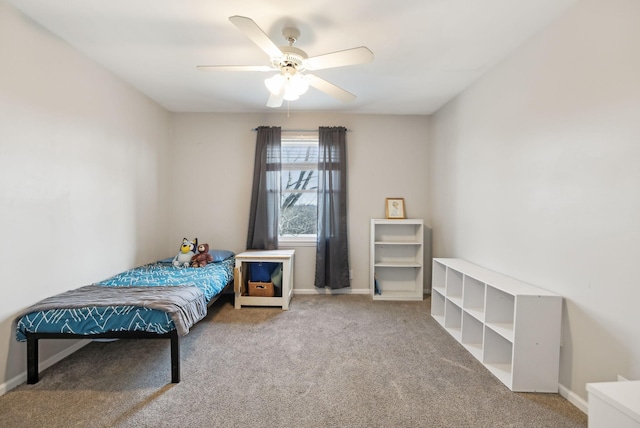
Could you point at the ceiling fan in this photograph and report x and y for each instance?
(290, 61)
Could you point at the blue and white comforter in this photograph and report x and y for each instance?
(211, 279)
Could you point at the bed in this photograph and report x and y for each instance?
(153, 301)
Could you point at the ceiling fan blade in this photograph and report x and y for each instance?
(360, 55)
(235, 68)
(330, 88)
(275, 100)
(255, 33)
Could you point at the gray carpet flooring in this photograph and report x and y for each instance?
(330, 361)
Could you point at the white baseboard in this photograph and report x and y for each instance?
(574, 399)
(21, 378)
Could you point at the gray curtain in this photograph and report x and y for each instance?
(332, 257)
(265, 197)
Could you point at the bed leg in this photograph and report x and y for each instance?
(32, 359)
(175, 357)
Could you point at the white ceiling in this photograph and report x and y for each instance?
(425, 51)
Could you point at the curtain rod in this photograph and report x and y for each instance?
(297, 130)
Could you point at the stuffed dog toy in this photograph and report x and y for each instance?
(187, 251)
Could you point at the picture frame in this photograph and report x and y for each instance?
(394, 208)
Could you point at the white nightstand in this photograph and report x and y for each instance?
(285, 257)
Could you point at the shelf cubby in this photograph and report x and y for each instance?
(453, 319)
(396, 281)
(438, 277)
(437, 306)
(472, 335)
(500, 309)
(473, 297)
(397, 231)
(453, 288)
(397, 254)
(497, 355)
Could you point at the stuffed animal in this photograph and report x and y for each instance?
(203, 257)
(187, 250)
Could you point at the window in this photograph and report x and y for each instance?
(299, 199)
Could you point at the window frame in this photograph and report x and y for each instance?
(305, 138)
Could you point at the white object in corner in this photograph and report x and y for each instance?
(396, 259)
(614, 404)
(511, 327)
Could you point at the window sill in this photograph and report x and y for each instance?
(296, 243)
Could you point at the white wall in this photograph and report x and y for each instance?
(386, 155)
(535, 174)
(83, 176)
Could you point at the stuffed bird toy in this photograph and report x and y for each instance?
(187, 250)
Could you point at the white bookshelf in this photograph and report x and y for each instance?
(511, 327)
(396, 259)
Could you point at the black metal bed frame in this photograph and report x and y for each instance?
(32, 347)
(33, 338)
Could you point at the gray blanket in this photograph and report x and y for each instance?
(185, 304)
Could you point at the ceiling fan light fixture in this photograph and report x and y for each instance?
(275, 84)
(292, 85)
(290, 95)
(298, 83)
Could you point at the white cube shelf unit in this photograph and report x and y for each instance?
(396, 259)
(513, 328)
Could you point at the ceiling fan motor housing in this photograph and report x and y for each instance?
(291, 57)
